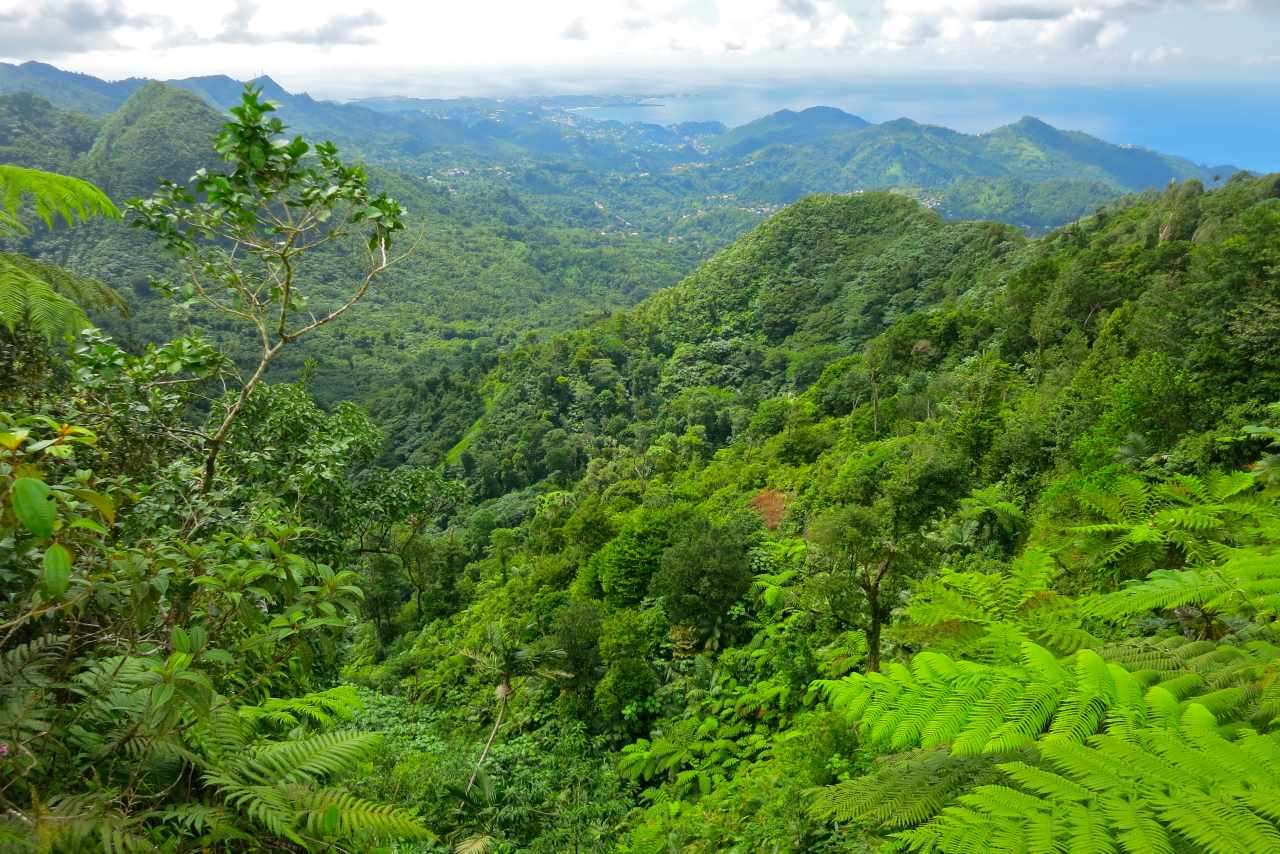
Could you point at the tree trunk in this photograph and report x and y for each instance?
(505, 691)
(873, 630)
(874, 377)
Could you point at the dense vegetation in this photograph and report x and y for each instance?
(537, 217)
(876, 531)
(879, 529)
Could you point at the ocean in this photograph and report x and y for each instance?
(1211, 124)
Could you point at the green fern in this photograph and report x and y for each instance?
(905, 789)
(285, 785)
(989, 615)
(1184, 521)
(1244, 583)
(333, 813)
(50, 196)
(1183, 787)
(319, 709)
(974, 708)
(49, 300)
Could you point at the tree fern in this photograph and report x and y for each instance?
(1245, 582)
(334, 813)
(975, 708)
(30, 300)
(1167, 789)
(49, 300)
(285, 785)
(1184, 521)
(905, 789)
(1138, 745)
(318, 709)
(50, 196)
(988, 614)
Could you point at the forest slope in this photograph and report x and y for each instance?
(490, 269)
(940, 531)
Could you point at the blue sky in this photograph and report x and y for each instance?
(1197, 77)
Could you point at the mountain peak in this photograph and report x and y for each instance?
(269, 87)
(1033, 127)
(831, 114)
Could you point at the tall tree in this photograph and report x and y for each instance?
(242, 235)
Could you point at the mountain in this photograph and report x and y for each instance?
(68, 89)
(696, 181)
(878, 530)
(489, 269)
(762, 318)
(36, 134)
(160, 133)
(1037, 151)
(903, 152)
(809, 126)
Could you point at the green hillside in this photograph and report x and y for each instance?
(489, 268)
(160, 133)
(787, 126)
(863, 439)
(69, 90)
(36, 134)
(693, 182)
(431, 516)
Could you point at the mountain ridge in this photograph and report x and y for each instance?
(811, 126)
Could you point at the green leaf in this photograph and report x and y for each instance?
(33, 506)
(10, 441)
(102, 503)
(88, 525)
(57, 570)
(179, 639)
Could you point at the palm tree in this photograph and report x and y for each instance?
(507, 663)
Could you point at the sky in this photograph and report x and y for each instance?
(1190, 77)
(347, 48)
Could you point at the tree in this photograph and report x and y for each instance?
(504, 661)
(861, 553)
(701, 574)
(241, 237)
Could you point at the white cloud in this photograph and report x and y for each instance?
(1010, 24)
(575, 30)
(1158, 55)
(243, 25)
(588, 43)
(52, 28)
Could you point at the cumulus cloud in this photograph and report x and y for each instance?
(1074, 24)
(740, 27)
(1155, 56)
(806, 9)
(238, 28)
(1067, 24)
(54, 27)
(575, 30)
(748, 34)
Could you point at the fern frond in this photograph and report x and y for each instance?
(325, 755)
(51, 196)
(318, 709)
(27, 300)
(904, 790)
(333, 813)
